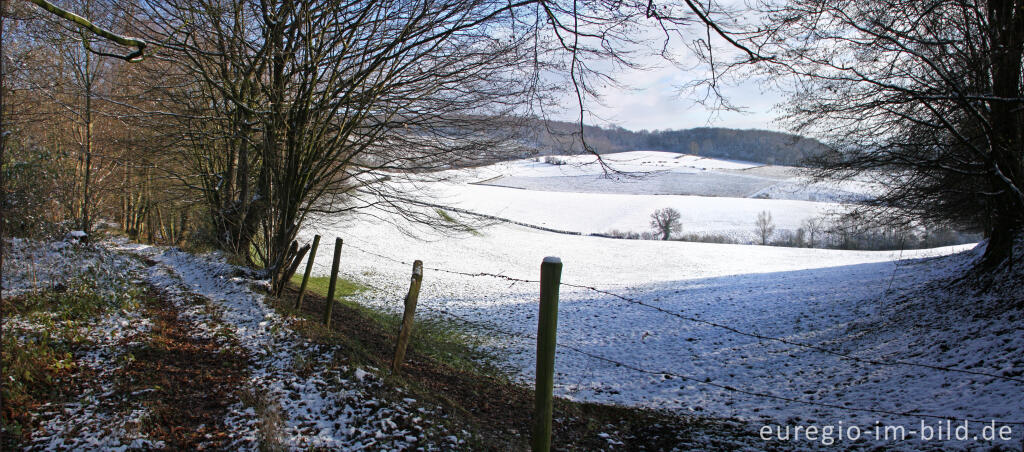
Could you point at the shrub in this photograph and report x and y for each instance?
(707, 238)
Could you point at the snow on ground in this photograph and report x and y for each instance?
(627, 162)
(97, 419)
(638, 172)
(328, 408)
(845, 191)
(661, 173)
(829, 298)
(715, 197)
(703, 183)
(590, 213)
(31, 266)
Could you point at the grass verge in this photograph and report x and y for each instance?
(37, 347)
(443, 341)
(446, 366)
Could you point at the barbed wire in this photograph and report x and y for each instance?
(718, 325)
(796, 343)
(443, 270)
(725, 387)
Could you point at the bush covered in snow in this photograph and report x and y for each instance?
(554, 160)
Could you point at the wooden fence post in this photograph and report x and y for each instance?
(407, 316)
(281, 275)
(547, 322)
(309, 268)
(334, 282)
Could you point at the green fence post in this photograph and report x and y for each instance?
(547, 322)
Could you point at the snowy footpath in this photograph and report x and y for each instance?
(294, 394)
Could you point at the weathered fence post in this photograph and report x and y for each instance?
(309, 268)
(547, 321)
(407, 316)
(333, 283)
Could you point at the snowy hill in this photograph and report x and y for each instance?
(764, 334)
(580, 194)
(837, 300)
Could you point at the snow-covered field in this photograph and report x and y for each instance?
(839, 300)
(663, 173)
(718, 197)
(775, 336)
(639, 338)
(596, 213)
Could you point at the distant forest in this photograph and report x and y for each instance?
(762, 146)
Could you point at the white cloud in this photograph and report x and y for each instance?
(654, 99)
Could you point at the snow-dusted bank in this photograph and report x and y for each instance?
(853, 303)
(642, 337)
(329, 406)
(97, 419)
(298, 394)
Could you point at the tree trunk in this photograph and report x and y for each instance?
(1006, 230)
(182, 228)
(160, 223)
(86, 221)
(125, 196)
(1007, 28)
(3, 146)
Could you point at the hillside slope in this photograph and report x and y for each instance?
(762, 146)
(643, 298)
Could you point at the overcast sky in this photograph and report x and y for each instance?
(656, 101)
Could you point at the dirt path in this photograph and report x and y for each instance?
(185, 382)
(140, 375)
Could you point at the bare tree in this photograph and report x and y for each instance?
(814, 227)
(924, 98)
(666, 222)
(294, 110)
(764, 225)
(74, 82)
(88, 26)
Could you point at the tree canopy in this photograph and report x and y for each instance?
(924, 97)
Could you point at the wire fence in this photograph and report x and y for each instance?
(730, 329)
